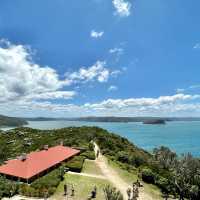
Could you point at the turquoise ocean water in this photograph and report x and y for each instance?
(181, 137)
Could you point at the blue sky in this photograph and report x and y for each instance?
(100, 57)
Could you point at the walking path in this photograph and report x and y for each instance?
(110, 174)
(88, 175)
(114, 178)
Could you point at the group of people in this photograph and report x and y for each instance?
(133, 193)
(72, 193)
(71, 189)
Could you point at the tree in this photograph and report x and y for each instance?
(187, 177)
(112, 193)
(166, 158)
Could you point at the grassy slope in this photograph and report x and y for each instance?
(82, 185)
(131, 177)
(91, 168)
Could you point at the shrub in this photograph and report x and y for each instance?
(76, 164)
(91, 146)
(148, 175)
(163, 184)
(89, 155)
(45, 185)
(112, 193)
(7, 188)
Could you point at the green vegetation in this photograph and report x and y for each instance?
(89, 155)
(112, 194)
(11, 121)
(44, 186)
(90, 167)
(7, 188)
(178, 176)
(75, 164)
(24, 140)
(130, 175)
(83, 186)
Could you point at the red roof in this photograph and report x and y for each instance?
(37, 162)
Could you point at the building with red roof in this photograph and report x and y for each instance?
(29, 167)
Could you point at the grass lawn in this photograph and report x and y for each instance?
(90, 167)
(83, 187)
(131, 177)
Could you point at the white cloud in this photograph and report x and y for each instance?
(194, 87)
(122, 7)
(146, 102)
(191, 88)
(116, 73)
(96, 34)
(118, 51)
(53, 95)
(175, 105)
(22, 79)
(196, 46)
(27, 88)
(98, 72)
(180, 90)
(112, 88)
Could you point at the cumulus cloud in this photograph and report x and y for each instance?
(122, 7)
(96, 34)
(143, 102)
(53, 95)
(98, 72)
(27, 87)
(175, 105)
(21, 78)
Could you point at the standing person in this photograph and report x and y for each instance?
(73, 191)
(98, 153)
(65, 189)
(129, 193)
(95, 190)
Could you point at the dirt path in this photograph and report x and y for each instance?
(114, 178)
(88, 175)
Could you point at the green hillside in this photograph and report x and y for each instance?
(11, 121)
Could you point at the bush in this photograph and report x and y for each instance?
(163, 184)
(45, 185)
(148, 176)
(112, 193)
(89, 155)
(75, 164)
(7, 188)
(91, 146)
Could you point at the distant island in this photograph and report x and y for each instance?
(116, 119)
(16, 121)
(11, 121)
(155, 121)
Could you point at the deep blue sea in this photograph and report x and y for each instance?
(181, 137)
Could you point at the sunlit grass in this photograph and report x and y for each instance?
(90, 167)
(83, 186)
(132, 176)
